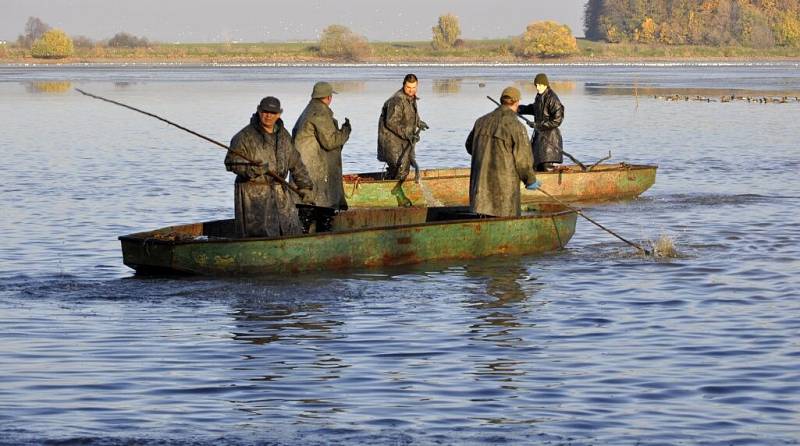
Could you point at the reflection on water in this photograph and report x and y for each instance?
(447, 86)
(48, 86)
(502, 282)
(349, 86)
(260, 321)
(593, 344)
(557, 86)
(124, 84)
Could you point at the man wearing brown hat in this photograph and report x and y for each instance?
(264, 206)
(318, 138)
(501, 158)
(548, 114)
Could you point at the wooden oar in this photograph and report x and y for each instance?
(530, 123)
(274, 176)
(579, 212)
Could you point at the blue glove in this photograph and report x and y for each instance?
(533, 186)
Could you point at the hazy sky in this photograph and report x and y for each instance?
(268, 20)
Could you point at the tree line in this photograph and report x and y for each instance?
(540, 39)
(748, 23)
(45, 41)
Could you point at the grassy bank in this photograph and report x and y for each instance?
(473, 51)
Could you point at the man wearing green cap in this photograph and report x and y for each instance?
(501, 158)
(548, 114)
(318, 138)
(263, 148)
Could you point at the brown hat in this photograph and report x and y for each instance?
(270, 104)
(511, 93)
(322, 90)
(541, 79)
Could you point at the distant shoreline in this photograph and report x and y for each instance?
(188, 62)
(473, 52)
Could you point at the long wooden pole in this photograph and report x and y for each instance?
(274, 176)
(579, 212)
(530, 123)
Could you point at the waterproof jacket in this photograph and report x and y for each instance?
(548, 114)
(397, 128)
(319, 140)
(264, 207)
(501, 158)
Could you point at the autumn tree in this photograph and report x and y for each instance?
(545, 39)
(446, 32)
(339, 42)
(787, 29)
(753, 23)
(646, 33)
(53, 44)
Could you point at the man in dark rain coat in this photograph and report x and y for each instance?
(398, 129)
(501, 158)
(264, 207)
(319, 140)
(548, 114)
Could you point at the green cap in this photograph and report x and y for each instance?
(541, 79)
(322, 90)
(511, 93)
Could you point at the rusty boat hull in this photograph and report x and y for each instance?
(450, 187)
(357, 238)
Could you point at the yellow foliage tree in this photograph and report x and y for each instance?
(787, 30)
(54, 44)
(646, 33)
(546, 39)
(446, 32)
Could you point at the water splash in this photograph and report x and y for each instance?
(664, 247)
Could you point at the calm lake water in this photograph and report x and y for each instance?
(593, 345)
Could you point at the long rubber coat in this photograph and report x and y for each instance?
(264, 207)
(501, 158)
(398, 122)
(319, 140)
(548, 113)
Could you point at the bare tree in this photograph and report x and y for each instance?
(125, 40)
(339, 42)
(34, 29)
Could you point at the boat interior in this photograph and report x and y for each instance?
(317, 220)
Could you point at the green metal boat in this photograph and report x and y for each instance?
(355, 238)
(450, 187)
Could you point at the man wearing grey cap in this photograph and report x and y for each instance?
(501, 158)
(264, 206)
(318, 138)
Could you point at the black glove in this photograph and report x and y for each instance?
(347, 125)
(422, 125)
